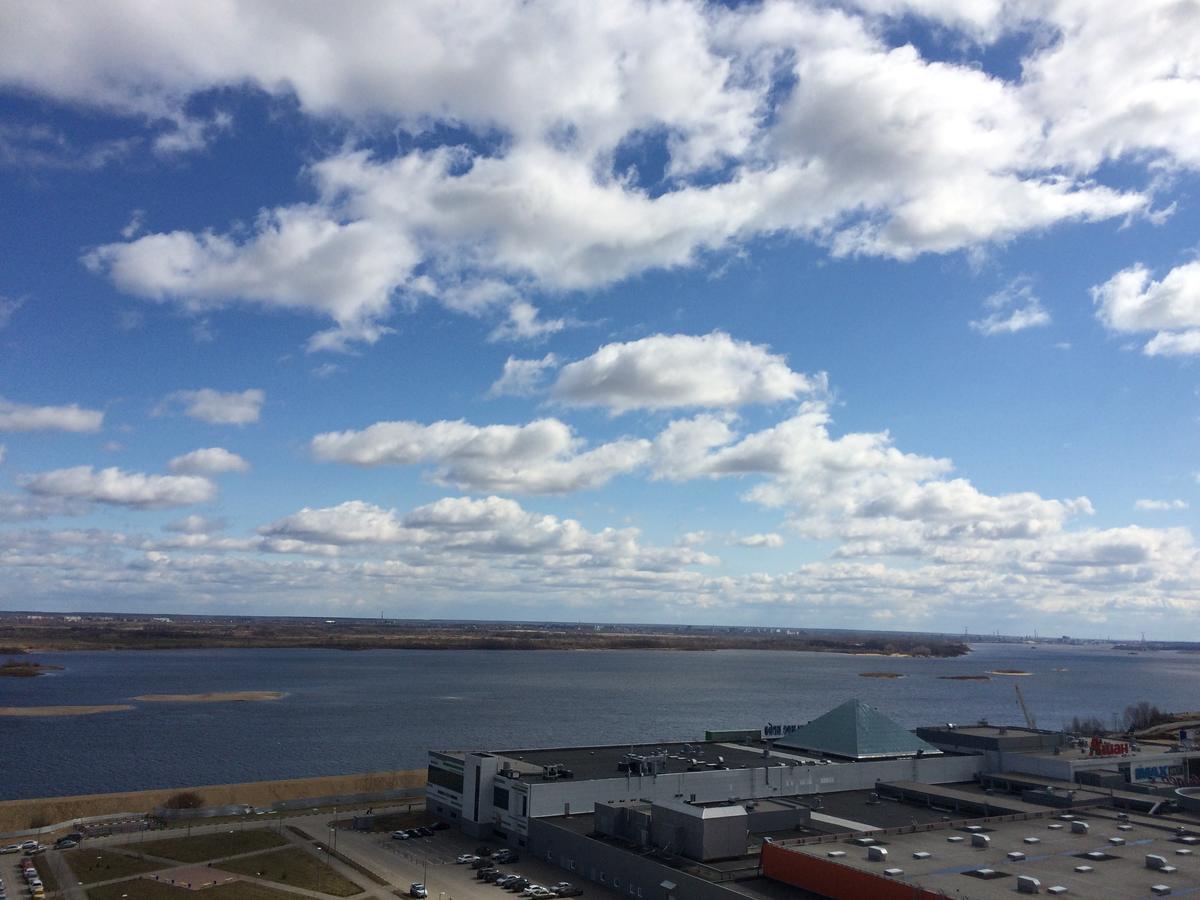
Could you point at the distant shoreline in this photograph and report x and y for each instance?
(58, 634)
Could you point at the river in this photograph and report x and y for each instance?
(372, 710)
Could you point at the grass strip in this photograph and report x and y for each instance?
(215, 845)
(144, 889)
(92, 865)
(294, 867)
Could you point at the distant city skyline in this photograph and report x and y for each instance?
(878, 314)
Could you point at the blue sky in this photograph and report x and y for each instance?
(880, 314)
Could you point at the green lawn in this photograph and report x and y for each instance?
(203, 847)
(95, 865)
(295, 868)
(143, 889)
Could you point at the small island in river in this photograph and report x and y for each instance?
(226, 697)
(38, 711)
(16, 668)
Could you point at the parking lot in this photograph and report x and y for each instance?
(431, 859)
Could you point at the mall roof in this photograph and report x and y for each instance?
(855, 730)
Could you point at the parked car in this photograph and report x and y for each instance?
(399, 835)
(519, 885)
(466, 858)
(29, 845)
(425, 831)
(416, 889)
(506, 880)
(481, 862)
(65, 844)
(566, 889)
(506, 856)
(490, 876)
(11, 848)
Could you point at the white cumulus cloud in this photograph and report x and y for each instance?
(217, 408)
(1132, 301)
(23, 417)
(115, 486)
(208, 461)
(668, 371)
(769, 540)
(541, 457)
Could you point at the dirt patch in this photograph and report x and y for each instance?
(227, 697)
(62, 710)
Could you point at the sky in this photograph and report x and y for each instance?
(879, 314)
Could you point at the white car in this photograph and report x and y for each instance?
(466, 858)
(29, 845)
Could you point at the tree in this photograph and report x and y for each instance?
(184, 800)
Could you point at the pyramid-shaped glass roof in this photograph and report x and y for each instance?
(855, 730)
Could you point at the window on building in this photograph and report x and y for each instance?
(452, 781)
(500, 798)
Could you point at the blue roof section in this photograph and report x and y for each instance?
(855, 730)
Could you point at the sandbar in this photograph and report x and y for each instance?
(1008, 672)
(880, 675)
(61, 710)
(965, 677)
(229, 696)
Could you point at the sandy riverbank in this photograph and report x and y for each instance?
(62, 710)
(20, 814)
(226, 697)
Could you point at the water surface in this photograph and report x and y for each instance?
(373, 710)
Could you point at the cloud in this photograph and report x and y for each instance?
(541, 457)
(114, 486)
(327, 370)
(493, 529)
(745, 107)
(208, 461)
(1014, 309)
(194, 524)
(524, 324)
(299, 258)
(1132, 301)
(1159, 505)
(669, 371)
(21, 417)
(522, 377)
(216, 408)
(770, 540)
(137, 221)
(8, 308)
(857, 487)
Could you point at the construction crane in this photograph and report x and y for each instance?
(1024, 709)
